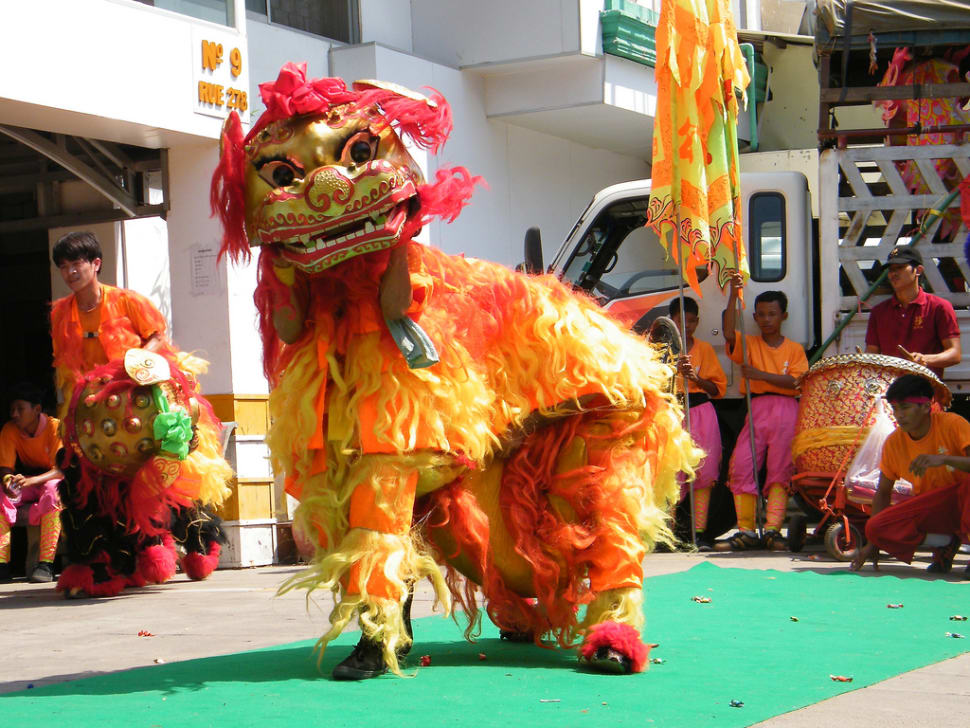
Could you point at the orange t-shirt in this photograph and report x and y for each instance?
(38, 451)
(122, 320)
(949, 435)
(786, 358)
(704, 359)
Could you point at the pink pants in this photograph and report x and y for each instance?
(43, 498)
(774, 417)
(707, 434)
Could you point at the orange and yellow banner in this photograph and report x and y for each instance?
(695, 189)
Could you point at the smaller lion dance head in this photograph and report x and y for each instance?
(132, 423)
(323, 176)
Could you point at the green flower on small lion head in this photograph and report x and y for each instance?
(172, 428)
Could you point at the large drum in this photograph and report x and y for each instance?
(837, 406)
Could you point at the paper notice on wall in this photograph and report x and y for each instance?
(204, 273)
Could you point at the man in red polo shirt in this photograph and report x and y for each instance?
(913, 324)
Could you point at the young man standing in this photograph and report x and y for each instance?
(98, 322)
(913, 324)
(932, 451)
(772, 365)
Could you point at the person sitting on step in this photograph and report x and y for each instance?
(28, 449)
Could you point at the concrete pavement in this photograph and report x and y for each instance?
(48, 639)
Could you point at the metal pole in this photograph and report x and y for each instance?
(683, 337)
(739, 321)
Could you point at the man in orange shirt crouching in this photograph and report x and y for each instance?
(932, 451)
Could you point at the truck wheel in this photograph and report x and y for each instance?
(840, 545)
(797, 526)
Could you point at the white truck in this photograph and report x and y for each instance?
(823, 264)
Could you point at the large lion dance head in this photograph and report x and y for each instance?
(323, 175)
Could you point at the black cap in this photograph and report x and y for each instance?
(904, 255)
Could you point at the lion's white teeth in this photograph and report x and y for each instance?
(368, 227)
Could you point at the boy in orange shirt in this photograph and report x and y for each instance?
(932, 451)
(705, 381)
(97, 323)
(28, 448)
(773, 364)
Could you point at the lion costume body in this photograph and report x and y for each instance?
(531, 450)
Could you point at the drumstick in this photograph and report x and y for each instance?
(909, 354)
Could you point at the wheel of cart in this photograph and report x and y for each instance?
(843, 539)
(797, 532)
(824, 498)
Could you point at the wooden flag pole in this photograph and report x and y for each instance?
(739, 319)
(683, 337)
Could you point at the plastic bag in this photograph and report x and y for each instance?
(863, 471)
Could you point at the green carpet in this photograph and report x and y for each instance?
(743, 645)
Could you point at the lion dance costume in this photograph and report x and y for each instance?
(142, 466)
(513, 443)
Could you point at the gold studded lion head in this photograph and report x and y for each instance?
(324, 176)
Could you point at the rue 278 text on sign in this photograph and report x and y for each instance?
(220, 73)
(217, 94)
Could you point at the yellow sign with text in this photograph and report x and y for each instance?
(220, 75)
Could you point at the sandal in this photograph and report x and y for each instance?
(774, 541)
(943, 557)
(741, 541)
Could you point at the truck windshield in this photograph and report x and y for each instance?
(619, 257)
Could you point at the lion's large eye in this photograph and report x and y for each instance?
(359, 149)
(278, 172)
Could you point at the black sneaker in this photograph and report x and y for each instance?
(43, 573)
(5, 574)
(608, 660)
(943, 557)
(514, 636)
(704, 544)
(366, 661)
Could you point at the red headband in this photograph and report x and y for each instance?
(911, 400)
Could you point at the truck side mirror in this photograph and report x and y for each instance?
(533, 251)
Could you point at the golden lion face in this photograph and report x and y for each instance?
(328, 188)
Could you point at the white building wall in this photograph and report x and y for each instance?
(144, 253)
(200, 322)
(213, 316)
(115, 61)
(469, 32)
(387, 22)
